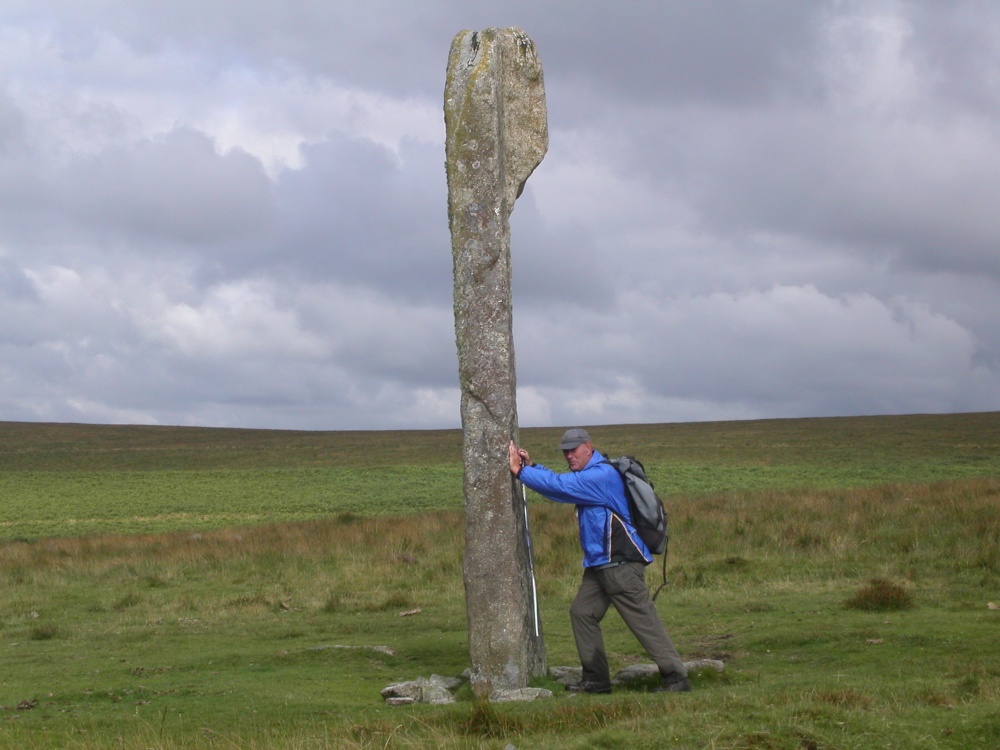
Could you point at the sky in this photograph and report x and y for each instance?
(220, 213)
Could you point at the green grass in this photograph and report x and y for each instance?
(254, 595)
(62, 503)
(79, 479)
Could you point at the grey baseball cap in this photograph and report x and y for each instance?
(573, 438)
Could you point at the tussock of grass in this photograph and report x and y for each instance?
(879, 595)
(44, 632)
(130, 599)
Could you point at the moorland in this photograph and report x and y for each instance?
(176, 587)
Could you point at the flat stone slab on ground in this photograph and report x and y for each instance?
(434, 690)
(520, 694)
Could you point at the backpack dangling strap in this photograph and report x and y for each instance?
(665, 581)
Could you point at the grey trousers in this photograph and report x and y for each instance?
(625, 587)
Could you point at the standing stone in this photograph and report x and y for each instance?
(496, 134)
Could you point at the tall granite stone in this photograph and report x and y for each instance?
(496, 134)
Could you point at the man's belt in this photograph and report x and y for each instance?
(608, 565)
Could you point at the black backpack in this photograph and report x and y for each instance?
(648, 514)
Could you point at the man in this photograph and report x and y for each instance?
(614, 560)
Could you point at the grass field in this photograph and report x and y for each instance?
(199, 588)
(59, 480)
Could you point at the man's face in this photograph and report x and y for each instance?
(578, 457)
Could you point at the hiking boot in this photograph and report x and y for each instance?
(673, 683)
(590, 687)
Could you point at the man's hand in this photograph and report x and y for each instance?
(518, 458)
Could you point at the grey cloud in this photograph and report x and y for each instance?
(11, 127)
(177, 189)
(679, 53)
(652, 49)
(785, 352)
(960, 43)
(892, 191)
(358, 213)
(15, 286)
(557, 268)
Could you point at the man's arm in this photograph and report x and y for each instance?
(589, 487)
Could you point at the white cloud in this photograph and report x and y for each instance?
(867, 65)
(236, 321)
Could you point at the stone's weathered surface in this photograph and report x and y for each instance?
(496, 134)
(521, 694)
(435, 689)
(495, 119)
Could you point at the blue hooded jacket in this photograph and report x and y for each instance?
(606, 531)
